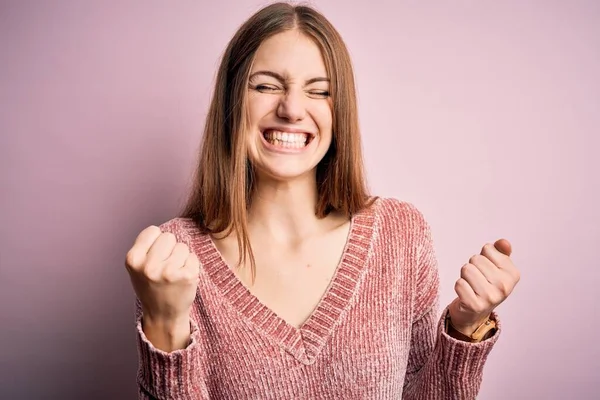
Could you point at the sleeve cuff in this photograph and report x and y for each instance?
(464, 358)
(168, 374)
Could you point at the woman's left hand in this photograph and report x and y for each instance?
(485, 282)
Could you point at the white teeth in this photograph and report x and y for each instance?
(286, 139)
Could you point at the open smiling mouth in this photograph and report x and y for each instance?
(287, 140)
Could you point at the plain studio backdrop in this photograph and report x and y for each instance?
(484, 114)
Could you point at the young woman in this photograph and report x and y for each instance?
(283, 278)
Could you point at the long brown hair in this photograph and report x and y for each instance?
(224, 179)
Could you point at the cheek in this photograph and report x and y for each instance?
(324, 119)
(259, 107)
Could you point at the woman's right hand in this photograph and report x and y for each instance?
(164, 275)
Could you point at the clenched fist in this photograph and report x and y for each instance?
(485, 282)
(164, 275)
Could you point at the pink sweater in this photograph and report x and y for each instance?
(376, 333)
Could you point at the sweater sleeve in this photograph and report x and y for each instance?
(439, 366)
(179, 374)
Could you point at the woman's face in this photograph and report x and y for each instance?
(289, 107)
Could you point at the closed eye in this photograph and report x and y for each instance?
(262, 88)
(265, 88)
(319, 93)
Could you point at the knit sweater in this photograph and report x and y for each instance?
(375, 334)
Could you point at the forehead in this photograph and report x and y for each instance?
(291, 54)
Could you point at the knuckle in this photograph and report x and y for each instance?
(488, 248)
(459, 283)
(498, 293)
(491, 297)
(517, 275)
(153, 229)
(149, 235)
(497, 299)
(170, 275)
(466, 269)
(153, 275)
(131, 258)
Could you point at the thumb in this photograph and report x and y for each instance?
(503, 246)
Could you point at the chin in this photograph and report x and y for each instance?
(285, 173)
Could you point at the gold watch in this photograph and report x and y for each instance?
(484, 331)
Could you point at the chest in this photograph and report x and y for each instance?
(365, 356)
(292, 280)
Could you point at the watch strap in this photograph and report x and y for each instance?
(484, 331)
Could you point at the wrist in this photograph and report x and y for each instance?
(472, 333)
(167, 334)
(469, 328)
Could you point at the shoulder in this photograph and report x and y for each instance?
(176, 224)
(394, 212)
(182, 228)
(400, 221)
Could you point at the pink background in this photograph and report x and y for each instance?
(484, 114)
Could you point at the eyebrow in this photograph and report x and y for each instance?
(282, 79)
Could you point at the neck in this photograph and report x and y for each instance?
(284, 210)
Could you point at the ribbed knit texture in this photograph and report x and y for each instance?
(376, 333)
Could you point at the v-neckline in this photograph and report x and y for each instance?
(305, 342)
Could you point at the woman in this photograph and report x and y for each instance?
(283, 278)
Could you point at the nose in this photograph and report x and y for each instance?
(291, 106)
